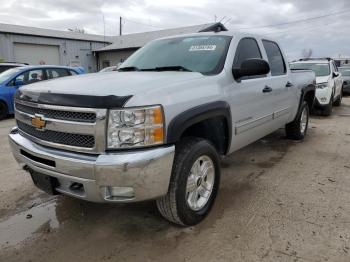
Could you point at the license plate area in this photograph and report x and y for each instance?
(45, 183)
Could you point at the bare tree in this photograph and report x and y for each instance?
(307, 52)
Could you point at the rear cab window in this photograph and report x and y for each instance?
(275, 58)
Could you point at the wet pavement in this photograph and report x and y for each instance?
(279, 200)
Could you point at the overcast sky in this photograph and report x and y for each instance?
(328, 36)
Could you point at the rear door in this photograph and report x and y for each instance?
(251, 108)
(52, 73)
(283, 90)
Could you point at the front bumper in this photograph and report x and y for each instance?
(323, 96)
(131, 175)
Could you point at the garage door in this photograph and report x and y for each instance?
(37, 54)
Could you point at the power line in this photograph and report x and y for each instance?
(295, 21)
(307, 27)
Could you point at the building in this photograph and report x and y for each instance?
(125, 45)
(44, 46)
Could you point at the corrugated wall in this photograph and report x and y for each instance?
(114, 57)
(70, 51)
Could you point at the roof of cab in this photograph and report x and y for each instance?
(46, 66)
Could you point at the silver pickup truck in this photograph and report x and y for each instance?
(157, 128)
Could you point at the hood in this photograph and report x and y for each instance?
(102, 90)
(111, 83)
(322, 79)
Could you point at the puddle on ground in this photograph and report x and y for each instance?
(39, 219)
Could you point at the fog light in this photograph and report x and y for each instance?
(119, 192)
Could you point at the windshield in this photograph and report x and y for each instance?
(345, 71)
(203, 54)
(8, 73)
(321, 69)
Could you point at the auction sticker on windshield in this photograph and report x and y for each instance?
(202, 48)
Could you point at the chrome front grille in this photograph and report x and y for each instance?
(56, 114)
(68, 128)
(76, 140)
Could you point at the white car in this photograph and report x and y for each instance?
(329, 81)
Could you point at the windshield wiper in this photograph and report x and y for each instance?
(168, 68)
(128, 68)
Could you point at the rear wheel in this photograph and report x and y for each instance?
(194, 183)
(297, 129)
(3, 110)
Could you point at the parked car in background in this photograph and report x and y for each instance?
(345, 71)
(156, 129)
(109, 69)
(329, 90)
(7, 65)
(12, 79)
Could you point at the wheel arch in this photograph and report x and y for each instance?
(307, 94)
(203, 121)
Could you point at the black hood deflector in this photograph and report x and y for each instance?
(104, 102)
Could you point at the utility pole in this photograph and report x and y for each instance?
(104, 29)
(120, 25)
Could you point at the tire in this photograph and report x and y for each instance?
(175, 206)
(327, 111)
(3, 110)
(339, 99)
(297, 129)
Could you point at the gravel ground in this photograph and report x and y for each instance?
(279, 201)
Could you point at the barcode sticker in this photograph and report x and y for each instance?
(202, 48)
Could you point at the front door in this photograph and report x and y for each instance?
(251, 100)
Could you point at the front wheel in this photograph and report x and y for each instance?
(327, 111)
(297, 129)
(3, 111)
(339, 99)
(194, 183)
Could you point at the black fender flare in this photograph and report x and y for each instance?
(304, 91)
(196, 115)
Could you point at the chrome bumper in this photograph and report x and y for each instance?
(128, 176)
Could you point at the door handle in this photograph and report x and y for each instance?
(267, 89)
(289, 84)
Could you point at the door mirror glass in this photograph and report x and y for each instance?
(18, 83)
(251, 67)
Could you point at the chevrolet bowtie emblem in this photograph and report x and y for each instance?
(38, 122)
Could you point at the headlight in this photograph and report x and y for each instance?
(322, 85)
(135, 127)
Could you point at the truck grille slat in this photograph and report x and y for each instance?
(58, 114)
(77, 140)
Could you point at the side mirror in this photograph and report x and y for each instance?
(18, 83)
(251, 67)
(335, 74)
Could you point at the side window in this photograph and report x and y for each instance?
(247, 48)
(56, 72)
(29, 77)
(275, 57)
